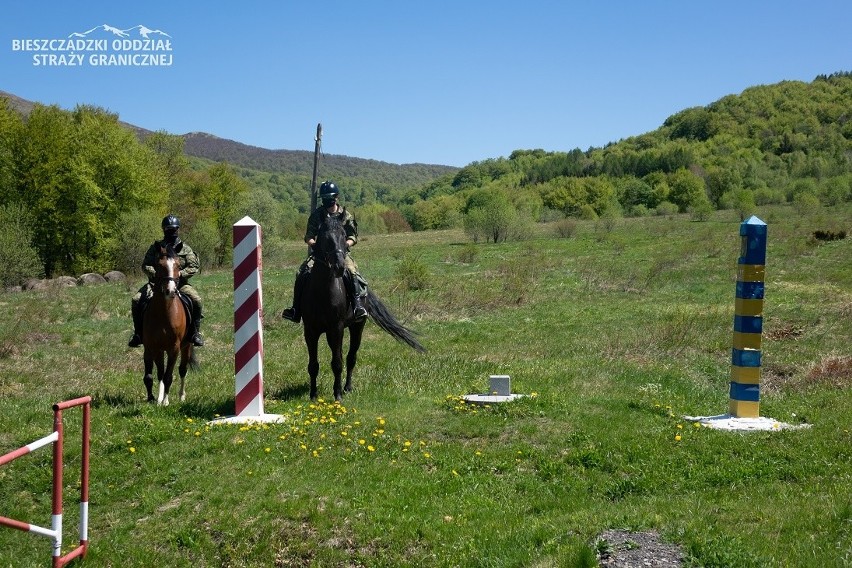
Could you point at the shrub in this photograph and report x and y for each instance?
(395, 222)
(17, 256)
(490, 216)
(467, 254)
(638, 211)
(806, 203)
(412, 273)
(667, 208)
(701, 211)
(766, 196)
(566, 228)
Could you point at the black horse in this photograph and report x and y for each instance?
(326, 308)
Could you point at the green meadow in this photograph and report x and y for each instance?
(615, 330)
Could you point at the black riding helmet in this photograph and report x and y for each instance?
(328, 193)
(171, 225)
(170, 222)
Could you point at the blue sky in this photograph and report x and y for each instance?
(439, 82)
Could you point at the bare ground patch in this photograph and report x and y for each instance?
(626, 549)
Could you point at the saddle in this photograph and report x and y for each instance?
(185, 301)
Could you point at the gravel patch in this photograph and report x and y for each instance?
(625, 549)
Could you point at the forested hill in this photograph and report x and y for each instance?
(294, 162)
(789, 142)
(300, 162)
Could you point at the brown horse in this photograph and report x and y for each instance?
(327, 310)
(164, 329)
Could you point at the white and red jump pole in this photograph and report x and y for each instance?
(248, 325)
(56, 438)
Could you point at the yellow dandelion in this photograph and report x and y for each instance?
(186, 430)
(455, 472)
(427, 455)
(129, 441)
(267, 450)
(197, 433)
(677, 438)
(132, 450)
(680, 426)
(381, 421)
(697, 425)
(478, 453)
(371, 449)
(407, 443)
(189, 420)
(362, 441)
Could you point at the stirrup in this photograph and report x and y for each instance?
(197, 340)
(359, 312)
(290, 314)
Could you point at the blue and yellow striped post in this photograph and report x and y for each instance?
(744, 399)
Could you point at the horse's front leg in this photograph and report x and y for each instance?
(148, 379)
(166, 378)
(313, 361)
(335, 343)
(185, 356)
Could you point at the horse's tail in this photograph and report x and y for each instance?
(193, 360)
(385, 320)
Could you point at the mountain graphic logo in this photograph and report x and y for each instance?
(137, 31)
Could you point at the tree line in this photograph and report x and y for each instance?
(785, 143)
(80, 192)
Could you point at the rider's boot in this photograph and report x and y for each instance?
(359, 312)
(197, 340)
(293, 313)
(136, 340)
(358, 309)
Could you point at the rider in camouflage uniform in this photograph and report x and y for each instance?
(189, 266)
(356, 286)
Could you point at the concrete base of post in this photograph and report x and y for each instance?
(261, 419)
(729, 422)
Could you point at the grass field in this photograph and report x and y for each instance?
(618, 331)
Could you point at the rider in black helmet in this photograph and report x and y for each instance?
(189, 266)
(356, 286)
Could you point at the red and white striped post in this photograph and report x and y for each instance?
(248, 318)
(248, 324)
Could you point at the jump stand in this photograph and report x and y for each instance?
(57, 439)
(248, 326)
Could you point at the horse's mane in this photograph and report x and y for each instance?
(332, 221)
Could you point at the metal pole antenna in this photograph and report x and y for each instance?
(317, 143)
